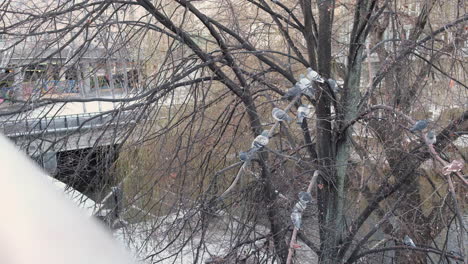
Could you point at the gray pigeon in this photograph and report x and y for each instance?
(306, 86)
(296, 215)
(302, 112)
(314, 76)
(296, 218)
(261, 140)
(305, 197)
(308, 90)
(333, 85)
(431, 138)
(292, 92)
(280, 115)
(245, 156)
(408, 241)
(303, 82)
(419, 125)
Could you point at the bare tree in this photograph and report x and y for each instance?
(180, 87)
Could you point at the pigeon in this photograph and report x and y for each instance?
(305, 197)
(419, 125)
(280, 115)
(302, 112)
(314, 76)
(246, 156)
(299, 207)
(408, 241)
(308, 90)
(454, 166)
(304, 83)
(292, 92)
(296, 218)
(431, 138)
(333, 85)
(306, 86)
(243, 156)
(261, 140)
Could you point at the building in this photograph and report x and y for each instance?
(70, 54)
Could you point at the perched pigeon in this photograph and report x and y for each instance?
(292, 92)
(308, 90)
(302, 112)
(408, 241)
(333, 85)
(419, 125)
(314, 76)
(261, 140)
(304, 83)
(305, 197)
(431, 138)
(454, 166)
(246, 156)
(280, 115)
(299, 207)
(296, 218)
(243, 156)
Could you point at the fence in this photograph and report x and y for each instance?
(25, 127)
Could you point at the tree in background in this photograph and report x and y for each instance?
(199, 80)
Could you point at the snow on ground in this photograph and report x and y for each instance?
(73, 108)
(162, 239)
(171, 239)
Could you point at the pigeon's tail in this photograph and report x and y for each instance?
(257, 146)
(252, 151)
(296, 218)
(310, 93)
(300, 120)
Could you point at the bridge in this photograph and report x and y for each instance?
(74, 146)
(75, 131)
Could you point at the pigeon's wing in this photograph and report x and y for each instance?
(292, 92)
(415, 127)
(300, 117)
(296, 218)
(260, 141)
(305, 197)
(309, 92)
(243, 156)
(280, 114)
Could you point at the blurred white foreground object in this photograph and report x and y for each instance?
(38, 224)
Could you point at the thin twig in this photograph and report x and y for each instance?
(294, 233)
(453, 194)
(241, 170)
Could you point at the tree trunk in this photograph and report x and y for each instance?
(328, 195)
